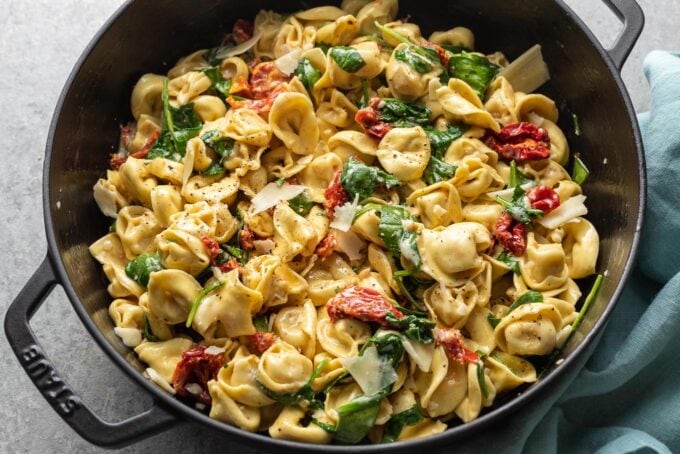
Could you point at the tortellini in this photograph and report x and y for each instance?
(404, 152)
(298, 209)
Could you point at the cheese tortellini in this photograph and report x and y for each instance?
(332, 223)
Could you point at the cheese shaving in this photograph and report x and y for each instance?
(288, 63)
(272, 194)
(370, 371)
(131, 337)
(509, 192)
(350, 243)
(344, 215)
(159, 380)
(214, 350)
(571, 209)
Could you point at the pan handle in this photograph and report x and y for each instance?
(52, 385)
(633, 18)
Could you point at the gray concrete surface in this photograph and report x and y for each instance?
(40, 41)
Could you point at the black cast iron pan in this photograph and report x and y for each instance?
(145, 36)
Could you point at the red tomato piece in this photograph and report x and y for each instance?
(334, 196)
(543, 198)
(198, 367)
(261, 341)
(246, 238)
(141, 154)
(511, 235)
(363, 304)
(520, 141)
(242, 30)
(213, 248)
(326, 246)
(452, 341)
(369, 119)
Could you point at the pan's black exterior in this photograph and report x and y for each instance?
(146, 36)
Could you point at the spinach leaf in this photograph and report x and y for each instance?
(438, 170)
(493, 321)
(199, 298)
(261, 324)
(455, 49)
(112, 227)
(441, 140)
(141, 267)
(415, 328)
(526, 298)
(219, 83)
(147, 333)
(301, 204)
(397, 423)
(358, 178)
(303, 395)
(510, 261)
(417, 58)
(236, 252)
(180, 124)
(347, 58)
(389, 347)
(404, 114)
(399, 277)
(517, 178)
(400, 241)
(307, 74)
(476, 70)
(214, 170)
(517, 207)
(357, 417)
(581, 172)
(223, 146)
(481, 377)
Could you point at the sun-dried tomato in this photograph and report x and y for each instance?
(241, 87)
(127, 133)
(246, 238)
(363, 304)
(213, 247)
(511, 235)
(441, 53)
(334, 196)
(266, 78)
(261, 341)
(369, 119)
(117, 160)
(242, 31)
(520, 141)
(198, 367)
(326, 246)
(543, 198)
(452, 341)
(141, 154)
(229, 265)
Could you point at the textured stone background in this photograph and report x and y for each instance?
(40, 41)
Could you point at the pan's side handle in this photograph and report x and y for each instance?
(54, 388)
(633, 18)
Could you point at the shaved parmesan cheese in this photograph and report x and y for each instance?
(272, 194)
(344, 215)
(200, 406)
(193, 388)
(159, 380)
(571, 209)
(214, 350)
(242, 48)
(288, 63)
(263, 246)
(528, 72)
(420, 353)
(350, 243)
(370, 371)
(105, 196)
(508, 193)
(131, 337)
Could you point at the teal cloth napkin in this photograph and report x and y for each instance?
(627, 398)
